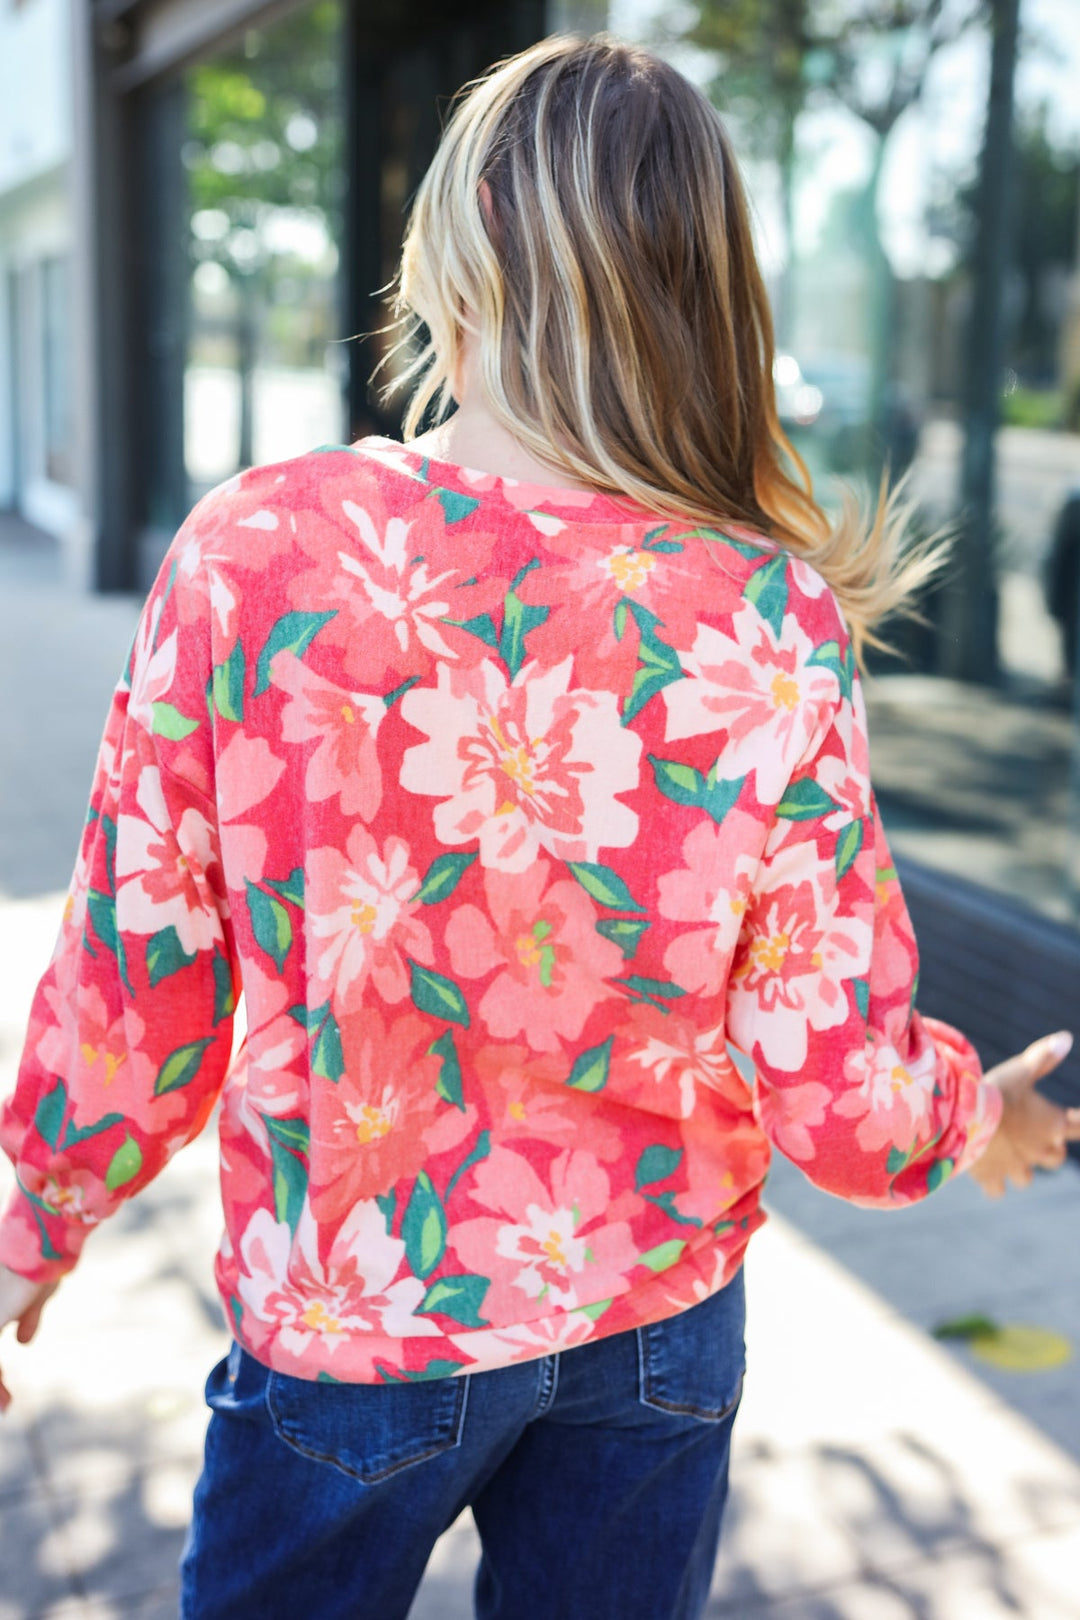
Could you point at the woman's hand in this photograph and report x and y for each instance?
(21, 1302)
(1033, 1132)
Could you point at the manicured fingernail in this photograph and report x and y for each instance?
(1060, 1045)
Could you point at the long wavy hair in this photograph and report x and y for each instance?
(585, 218)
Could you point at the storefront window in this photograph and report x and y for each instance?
(265, 369)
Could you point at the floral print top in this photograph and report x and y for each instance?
(537, 833)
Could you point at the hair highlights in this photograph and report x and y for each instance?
(584, 214)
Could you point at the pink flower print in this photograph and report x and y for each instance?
(535, 1103)
(893, 1102)
(791, 1115)
(247, 773)
(102, 1061)
(153, 668)
(272, 1046)
(712, 888)
(344, 726)
(605, 567)
(161, 873)
(552, 963)
(312, 1306)
(524, 766)
(759, 691)
(545, 1336)
(794, 961)
(394, 581)
(675, 1063)
(547, 1240)
(361, 918)
(382, 1117)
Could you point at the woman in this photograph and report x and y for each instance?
(529, 808)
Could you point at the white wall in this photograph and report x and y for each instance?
(35, 89)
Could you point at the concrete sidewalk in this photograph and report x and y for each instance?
(878, 1475)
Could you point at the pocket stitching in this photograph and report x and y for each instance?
(282, 1430)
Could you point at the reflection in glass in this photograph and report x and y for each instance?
(264, 374)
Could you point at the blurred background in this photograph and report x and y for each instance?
(201, 205)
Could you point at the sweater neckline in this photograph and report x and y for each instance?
(574, 505)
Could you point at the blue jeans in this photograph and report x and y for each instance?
(597, 1480)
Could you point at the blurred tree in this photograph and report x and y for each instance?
(1046, 217)
(265, 136)
(871, 57)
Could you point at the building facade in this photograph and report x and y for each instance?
(199, 202)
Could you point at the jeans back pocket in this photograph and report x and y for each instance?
(368, 1431)
(693, 1364)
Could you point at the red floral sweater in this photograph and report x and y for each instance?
(537, 833)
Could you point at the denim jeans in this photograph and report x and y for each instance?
(597, 1480)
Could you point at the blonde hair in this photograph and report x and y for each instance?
(585, 210)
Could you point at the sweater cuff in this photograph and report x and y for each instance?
(36, 1243)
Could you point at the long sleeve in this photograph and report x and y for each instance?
(131, 1025)
(873, 1102)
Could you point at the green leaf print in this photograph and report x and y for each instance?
(73, 1135)
(685, 785)
(480, 1151)
(459, 1297)
(625, 932)
(848, 846)
(101, 909)
(656, 1164)
(767, 589)
(442, 877)
(165, 955)
(49, 1115)
(448, 1085)
(423, 1227)
(290, 1180)
(805, 800)
(327, 1056)
(861, 988)
(269, 923)
(664, 1255)
(655, 991)
(228, 684)
(293, 1133)
(595, 1312)
(590, 1070)
(666, 1202)
(169, 722)
(939, 1173)
(293, 632)
(224, 994)
(658, 664)
(518, 619)
(482, 626)
(433, 993)
(455, 505)
(604, 885)
(181, 1066)
(291, 888)
(842, 664)
(108, 827)
(437, 1368)
(124, 1165)
(399, 691)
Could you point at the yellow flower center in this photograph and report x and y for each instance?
(630, 569)
(553, 1248)
(373, 1124)
(528, 950)
(785, 691)
(516, 761)
(899, 1078)
(91, 1054)
(347, 714)
(364, 916)
(770, 952)
(517, 1111)
(316, 1316)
